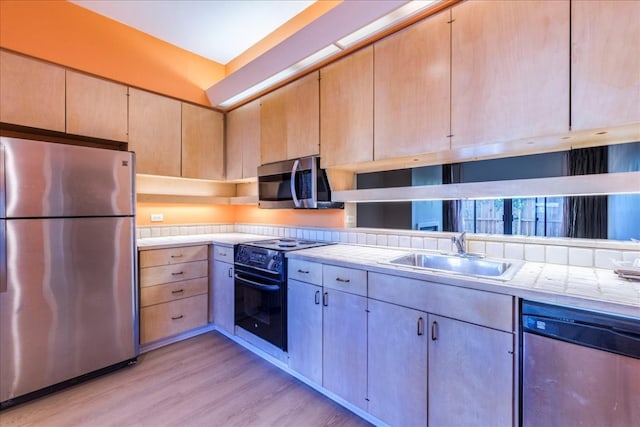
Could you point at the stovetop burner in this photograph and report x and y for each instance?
(286, 244)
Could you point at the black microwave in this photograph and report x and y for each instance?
(295, 184)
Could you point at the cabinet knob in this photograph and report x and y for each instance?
(177, 317)
(339, 279)
(325, 299)
(434, 331)
(317, 298)
(179, 291)
(178, 273)
(176, 256)
(420, 326)
(303, 271)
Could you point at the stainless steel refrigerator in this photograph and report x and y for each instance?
(67, 265)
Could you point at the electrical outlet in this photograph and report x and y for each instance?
(157, 217)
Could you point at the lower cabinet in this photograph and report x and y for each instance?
(386, 344)
(397, 364)
(304, 330)
(174, 291)
(344, 351)
(222, 298)
(470, 374)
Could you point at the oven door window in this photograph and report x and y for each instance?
(259, 308)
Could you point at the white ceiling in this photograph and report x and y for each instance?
(219, 30)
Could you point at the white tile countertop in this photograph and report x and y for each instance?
(580, 287)
(228, 239)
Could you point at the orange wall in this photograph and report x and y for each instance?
(184, 213)
(300, 218)
(196, 213)
(66, 34)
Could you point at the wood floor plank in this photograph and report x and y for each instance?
(207, 380)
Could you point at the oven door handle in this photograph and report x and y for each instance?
(256, 285)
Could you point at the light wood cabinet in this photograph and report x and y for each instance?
(304, 331)
(605, 63)
(223, 300)
(155, 133)
(96, 107)
(412, 90)
(32, 92)
(346, 110)
(174, 291)
(510, 71)
(202, 143)
(397, 364)
(290, 121)
(471, 374)
(243, 141)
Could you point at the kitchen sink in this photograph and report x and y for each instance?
(467, 264)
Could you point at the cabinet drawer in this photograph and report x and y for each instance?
(305, 271)
(345, 279)
(155, 257)
(223, 253)
(151, 276)
(171, 318)
(469, 305)
(150, 295)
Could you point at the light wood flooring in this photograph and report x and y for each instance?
(207, 380)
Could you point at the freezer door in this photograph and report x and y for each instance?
(44, 179)
(69, 307)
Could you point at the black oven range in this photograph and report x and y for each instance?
(260, 287)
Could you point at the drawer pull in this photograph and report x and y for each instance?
(325, 299)
(176, 256)
(420, 326)
(434, 331)
(317, 298)
(339, 279)
(179, 291)
(177, 317)
(303, 271)
(178, 273)
(222, 254)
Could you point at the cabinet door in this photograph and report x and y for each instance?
(412, 91)
(605, 57)
(510, 71)
(223, 296)
(290, 121)
(397, 364)
(470, 374)
(344, 358)
(346, 110)
(304, 326)
(202, 143)
(32, 92)
(96, 107)
(154, 133)
(243, 141)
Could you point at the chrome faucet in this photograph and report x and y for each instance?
(460, 243)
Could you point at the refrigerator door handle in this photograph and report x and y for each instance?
(3, 256)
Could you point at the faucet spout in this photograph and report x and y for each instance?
(460, 243)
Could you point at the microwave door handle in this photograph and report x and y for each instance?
(294, 195)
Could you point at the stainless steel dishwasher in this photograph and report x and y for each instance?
(579, 368)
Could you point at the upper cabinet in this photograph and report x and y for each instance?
(412, 90)
(96, 107)
(346, 110)
(154, 133)
(32, 93)
(605, 59)
(243, 141)
(510, 70)
(202, 143)
(290, 121)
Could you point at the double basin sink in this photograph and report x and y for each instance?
(465, 264)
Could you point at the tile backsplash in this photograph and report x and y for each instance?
(576, 252)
